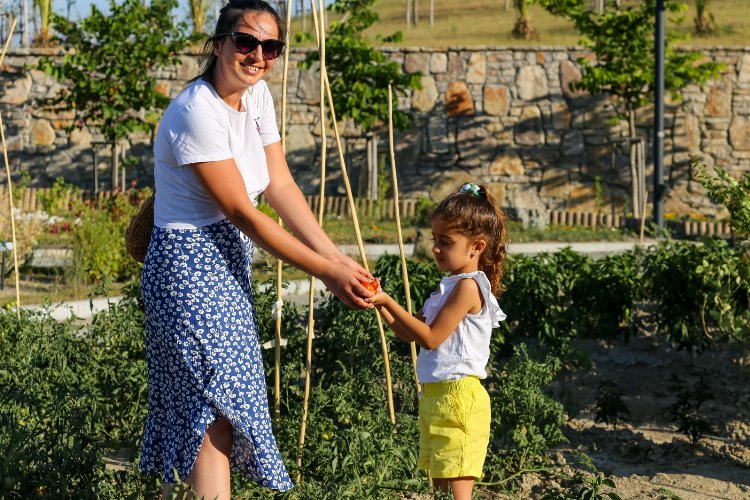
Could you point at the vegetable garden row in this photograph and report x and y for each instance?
(73, 396)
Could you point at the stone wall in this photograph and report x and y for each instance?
(502, 115)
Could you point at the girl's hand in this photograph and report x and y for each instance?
(379, 299)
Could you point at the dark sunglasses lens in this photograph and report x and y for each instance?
(246, 43)
(272, 49)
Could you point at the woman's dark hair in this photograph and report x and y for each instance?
(472, 211)
(229, 16)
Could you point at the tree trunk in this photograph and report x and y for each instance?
(115, 165)
(633, 165)
(372, 167)
(408, 14)
(432, 13)
(415, 16)
(25, 35)
(304, 16)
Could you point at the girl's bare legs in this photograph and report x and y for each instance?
(210, 475)
(460, 486)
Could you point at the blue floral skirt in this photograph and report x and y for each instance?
(203, 356)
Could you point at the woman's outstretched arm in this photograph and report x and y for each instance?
(285, 196)
(224, 183)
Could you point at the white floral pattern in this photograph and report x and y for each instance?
(203, 356)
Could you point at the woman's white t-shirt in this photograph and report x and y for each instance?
(466, 351)
(198, 126)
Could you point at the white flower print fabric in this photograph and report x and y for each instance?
(204, 359)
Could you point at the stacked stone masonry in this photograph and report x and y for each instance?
(505, 116)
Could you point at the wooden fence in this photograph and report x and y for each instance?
(29, 200)
(680, 228)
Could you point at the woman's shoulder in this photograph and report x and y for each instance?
(197, 93)
(198, 99)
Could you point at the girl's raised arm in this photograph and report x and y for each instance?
(465, 298)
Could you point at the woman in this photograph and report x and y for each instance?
(216, 150)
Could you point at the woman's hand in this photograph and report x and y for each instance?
(344, 282)
(362, 273)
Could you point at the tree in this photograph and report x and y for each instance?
(522, 28)
(198, 14)
(704, 20)
(359, 74)
(109, 67)
(42, 37)
(623, 41)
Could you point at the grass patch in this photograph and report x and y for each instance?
(491, 24)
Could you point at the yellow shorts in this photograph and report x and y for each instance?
(454, 428)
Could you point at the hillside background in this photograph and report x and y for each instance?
(486, 22)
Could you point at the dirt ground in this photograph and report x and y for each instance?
(647, 456)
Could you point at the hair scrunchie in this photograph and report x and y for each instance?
(469, 188)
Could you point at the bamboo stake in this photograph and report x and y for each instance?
(363, 257)
(10, 187)
(396, 210)
(279, 262)
(321, 209)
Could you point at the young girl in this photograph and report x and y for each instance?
(453, 331)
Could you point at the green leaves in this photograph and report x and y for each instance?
(110, 68)
(623, 41)
(730, 192)
(358, 73)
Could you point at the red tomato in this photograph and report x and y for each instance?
(371, 285)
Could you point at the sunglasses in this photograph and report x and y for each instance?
(246, 43)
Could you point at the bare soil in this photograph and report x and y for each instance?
(647, 457)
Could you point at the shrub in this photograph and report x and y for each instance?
(99, 255)
(526, 422)
(605, 295)
(538, 296)
(67, 398)
(686, 282)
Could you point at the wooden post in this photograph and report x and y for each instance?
(10, 184)
(404, 271)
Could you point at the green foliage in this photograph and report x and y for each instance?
(686, 411)
(610, 408)
(682, 284)
(423, 212)
(111, 63)
(67, 399)
(586, 486)
(604, 299)
(730, 192)
(54, 202)
(589, 490)
(538, 296)
(72, 395)
(99, 255)
(526, 422)
(424, 278)
(358, 73)
(623, 42)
